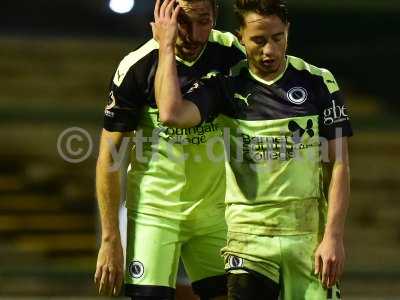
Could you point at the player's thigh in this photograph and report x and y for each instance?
(299, 280)
(153, 250)
(201, 253)
(204, 263)
(247, 285)
(260, 254)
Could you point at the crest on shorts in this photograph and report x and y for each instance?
(235, 262)
(136, 269)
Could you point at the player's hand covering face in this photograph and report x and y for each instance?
(187, 25)
(165, 25)
(265, 40)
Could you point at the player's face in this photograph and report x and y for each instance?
(195, 22)
(265, 40)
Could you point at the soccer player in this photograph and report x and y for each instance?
(279, 110)
(175, 206)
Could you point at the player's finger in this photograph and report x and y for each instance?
(157, 10)
(340, 270)
(317, 264)
(326, 268)
(118, 283)
(153, 30)
(97, 275)
(176, 13)
(104, 285)
(111, 280)
(169, 9)
(163, 7)
(332, 275)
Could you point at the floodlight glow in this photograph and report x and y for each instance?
(122, 6)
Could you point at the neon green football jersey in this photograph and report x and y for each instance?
(278, 132)
(171, 174)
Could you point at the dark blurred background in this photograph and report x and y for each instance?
(56, 60)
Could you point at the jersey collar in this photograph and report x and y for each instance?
(191, 63)
(186, 63)
(259, 79)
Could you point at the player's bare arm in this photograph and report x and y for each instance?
(109, 268)
(330, 255)
(173, 109)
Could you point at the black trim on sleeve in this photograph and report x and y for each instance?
(344, 130)
(113, 126)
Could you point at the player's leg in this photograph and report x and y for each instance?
(249, 285)
(253, 263)
(203, 262)
(299, 281)
(153, 252)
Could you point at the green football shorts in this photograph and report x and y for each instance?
(156, 244)
(287, 260)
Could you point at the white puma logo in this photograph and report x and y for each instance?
(245, 99)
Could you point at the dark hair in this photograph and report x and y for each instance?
(213, 3)
(262, 7)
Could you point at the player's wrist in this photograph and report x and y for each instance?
(337, 235)
(111, 238)
(167, 48)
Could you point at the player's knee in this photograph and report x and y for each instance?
(211, 288)
(251, 286)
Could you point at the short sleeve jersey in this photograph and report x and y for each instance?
(168, 164)
(278, 133)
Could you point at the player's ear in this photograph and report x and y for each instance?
(239, 35)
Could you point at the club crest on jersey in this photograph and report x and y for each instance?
(297, 95)
(136, 269)
(235, 262)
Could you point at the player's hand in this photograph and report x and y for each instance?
(165, 25)
(109, 270)
(329, 260)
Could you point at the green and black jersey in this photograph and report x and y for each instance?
(278, 131)
(170, 174)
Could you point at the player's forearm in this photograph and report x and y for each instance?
(108, 183)
(167, 88)
(338, 202)
(108, 197)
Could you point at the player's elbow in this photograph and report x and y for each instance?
(180, 115)
(169, 118)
